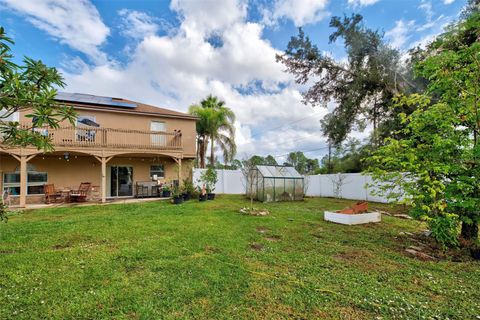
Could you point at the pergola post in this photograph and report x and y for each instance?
(179, 163)
(103, 161)
(23, 159)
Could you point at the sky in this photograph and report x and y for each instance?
(173, 54)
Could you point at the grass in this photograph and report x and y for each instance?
(204, 260)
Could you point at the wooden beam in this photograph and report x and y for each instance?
(23, 181)
(104, 161)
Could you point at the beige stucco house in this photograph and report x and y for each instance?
(115, 144)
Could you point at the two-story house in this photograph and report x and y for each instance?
(115, 143)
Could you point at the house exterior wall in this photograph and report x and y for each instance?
(119, 120)
(69, 174)
(124, 139)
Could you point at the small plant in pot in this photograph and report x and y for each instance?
(209, 178)
(188, 189)
(166, 191)
(177, 195)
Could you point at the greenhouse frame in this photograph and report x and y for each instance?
(275, 183)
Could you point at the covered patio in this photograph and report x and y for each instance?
(112, 175)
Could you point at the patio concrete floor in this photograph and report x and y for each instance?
(88, 203)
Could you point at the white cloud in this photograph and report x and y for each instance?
(301, 12)
(401, 33)
(448, 1)
(205, 17)
(361, 3)
(137, 25)
(426, 6)
(74, 23)
(182, 67)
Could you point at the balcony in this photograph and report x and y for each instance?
(109, 138)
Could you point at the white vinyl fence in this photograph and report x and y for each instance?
(229, 181)
(345, 185)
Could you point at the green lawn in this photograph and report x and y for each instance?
(205, 260)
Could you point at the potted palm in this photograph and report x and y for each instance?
(166, 191)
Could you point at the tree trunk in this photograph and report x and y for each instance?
(202, 152)
(329, 156)
(212, 153)
(469, 231)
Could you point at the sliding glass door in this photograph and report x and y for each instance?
(121, 181)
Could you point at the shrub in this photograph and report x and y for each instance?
(445, 229)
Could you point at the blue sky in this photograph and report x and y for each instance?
(172, 54)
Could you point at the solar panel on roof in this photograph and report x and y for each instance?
(88, 98)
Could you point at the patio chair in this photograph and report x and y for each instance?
(141, 190)
(50, 194)
(80, 195)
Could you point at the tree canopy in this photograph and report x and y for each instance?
(215, 126)
(30, 87)
(435, 161)
(361, 87)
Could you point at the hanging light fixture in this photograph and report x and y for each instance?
(66, 156)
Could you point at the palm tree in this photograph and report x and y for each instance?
(215, 126)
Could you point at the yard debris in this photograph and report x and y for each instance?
(426, 233)
(419, 254)
(384, 212)
(402, 216)
(254, 211)
(405, 233)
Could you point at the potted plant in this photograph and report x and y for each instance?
(202, 194)
(188, 189)
(177, 195)
(166, 191)
(210, 178)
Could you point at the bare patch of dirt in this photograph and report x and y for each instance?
(256, 246)
(274, 238)
(210, 249)
(61, 246)
(6, 251)
(352, 255)
(317, 235)
(426, 248)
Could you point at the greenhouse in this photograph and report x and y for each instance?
(275, 183)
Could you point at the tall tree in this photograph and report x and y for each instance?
(362, 86)
(30, 87)
(437, 160)
(215, 126)
(301, 163)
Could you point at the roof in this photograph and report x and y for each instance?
(111, 104)
(279, 172)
